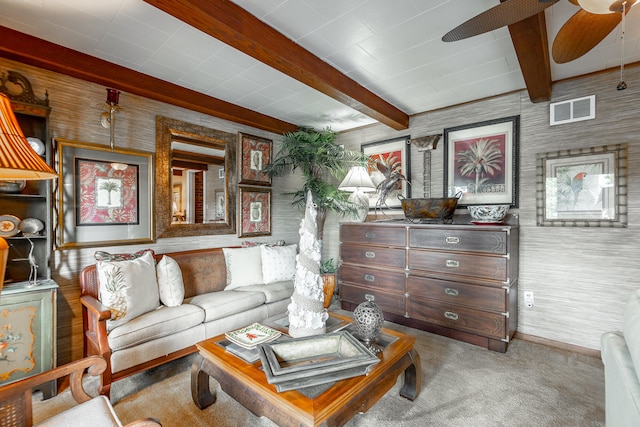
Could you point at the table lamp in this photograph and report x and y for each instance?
(358, 183)
(18, 161)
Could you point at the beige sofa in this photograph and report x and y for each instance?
(210, 308)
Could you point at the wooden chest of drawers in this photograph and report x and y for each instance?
(458, 280)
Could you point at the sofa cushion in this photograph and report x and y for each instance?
(170, 285)
(631, 327)
(272, 292)
(278, 263)
(129, 288)
(217, 305)
(155, 324)
(244, 266)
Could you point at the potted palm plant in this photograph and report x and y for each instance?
(323, 164)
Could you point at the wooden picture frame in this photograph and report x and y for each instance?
(255, 211)
(82, 222)
(255, 154)
(496, 143)
(392, 155)
(585, 187)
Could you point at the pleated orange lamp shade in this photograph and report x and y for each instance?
(18, 161)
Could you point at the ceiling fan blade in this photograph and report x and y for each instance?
(506, 13)
(581, 33)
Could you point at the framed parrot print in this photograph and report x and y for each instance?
(390, 171)
(584, 187)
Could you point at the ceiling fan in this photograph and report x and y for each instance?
(581, 33)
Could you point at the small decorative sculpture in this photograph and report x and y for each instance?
(368, 320)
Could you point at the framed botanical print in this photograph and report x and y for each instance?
(105, 196)
(255, 211)
(481, 162)
(255, 154)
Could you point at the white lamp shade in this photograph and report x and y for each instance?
(17, 159)
(357, 179)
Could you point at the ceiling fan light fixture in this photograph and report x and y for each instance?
(602, 7)
(598, 7)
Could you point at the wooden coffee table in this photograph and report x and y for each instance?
(333, 405)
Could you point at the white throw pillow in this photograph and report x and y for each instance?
(244, 267)
(170, 284)
(129, 288)
(278, 263)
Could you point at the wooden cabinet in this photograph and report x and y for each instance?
(33, 203)
(459, 280)
(28, 324)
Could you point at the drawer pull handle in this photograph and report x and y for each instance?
(369, 254)
(450, 315)
(452, 240)
(369, 278)
(451, 291)
(452, 263)
(370, 235)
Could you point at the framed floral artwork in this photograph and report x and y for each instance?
(583, 187)
(387, 159)
(105, 197)
(255, 154)
(255, 211)
(481, 162)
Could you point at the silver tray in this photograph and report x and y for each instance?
(314, 360)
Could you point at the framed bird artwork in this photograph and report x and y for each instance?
(390, 171)
(582, 187)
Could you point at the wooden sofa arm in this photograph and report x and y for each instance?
(95, 308)
(95, 316)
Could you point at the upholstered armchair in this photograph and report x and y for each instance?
(16, 409)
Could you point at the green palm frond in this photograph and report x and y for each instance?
(321, 162)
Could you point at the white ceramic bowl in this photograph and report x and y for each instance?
(488, 213)
(12, 186)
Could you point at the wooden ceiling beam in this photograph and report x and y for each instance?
(41, 53)
(236, 27)
(532, 48)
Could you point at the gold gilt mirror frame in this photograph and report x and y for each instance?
(172, 132)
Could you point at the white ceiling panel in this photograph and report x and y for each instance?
(393, 48)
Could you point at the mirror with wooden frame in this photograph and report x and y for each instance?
(195, 179)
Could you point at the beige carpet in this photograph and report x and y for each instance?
(463, 385)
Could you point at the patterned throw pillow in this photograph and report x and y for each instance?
(129, 288)
(244, 267)
(278, 263)
(106, 256)
(170, 284)
(250, 244)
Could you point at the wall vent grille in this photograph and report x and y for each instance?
(573, 110)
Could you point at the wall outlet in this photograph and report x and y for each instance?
(528, 299)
